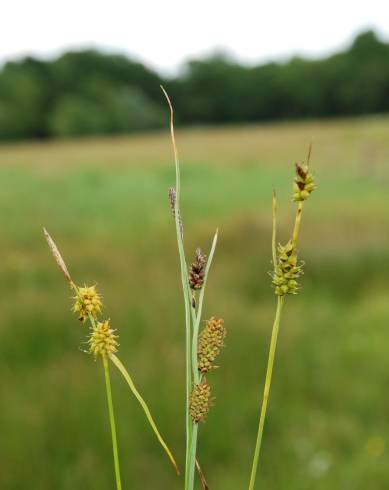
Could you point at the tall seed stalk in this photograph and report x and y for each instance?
(198, 398)
(286, 271)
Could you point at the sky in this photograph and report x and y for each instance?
(164, 34)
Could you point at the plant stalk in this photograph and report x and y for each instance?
(192, 456)
(112, 422)
(297, 223)
(266, 392)
(185, 290)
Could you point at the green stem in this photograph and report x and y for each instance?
(297, 223)
(274, 234)
(266, 392)
(189, 433)
(191, 350)
(195, 336)
(112, 422)
(185, 288)
(186, 293)
(193, 449)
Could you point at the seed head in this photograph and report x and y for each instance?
(200, 402)
(87, 301)
(211, 340)
(197, 271)
(172, 201)
(103, 340)
(303, 183)
(57, 255)
(287, 270)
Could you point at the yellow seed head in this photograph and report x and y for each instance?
(88, 301)
(287, 270)
(200, 402)
(210, 342)
(303, 183)
(103, 340)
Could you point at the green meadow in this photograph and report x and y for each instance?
(105, 203)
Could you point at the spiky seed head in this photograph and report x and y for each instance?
(287, 270)
(303, 184)
(103, 341)
(87, 301)
(211, 340)
(200, 401)
(197, 271)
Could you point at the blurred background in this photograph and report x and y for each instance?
(85, 151)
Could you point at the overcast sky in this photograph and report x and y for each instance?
(165, 33)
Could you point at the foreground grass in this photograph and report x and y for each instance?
(328, 426)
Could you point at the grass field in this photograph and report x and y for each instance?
(105, 203)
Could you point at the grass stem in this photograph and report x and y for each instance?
(185, 289)
(274, 233)
(192, 456)
(266, 392)
(297, 223)
(112, 422)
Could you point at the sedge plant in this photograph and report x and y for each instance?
(286, 272)
(103, 344)
(202, 347)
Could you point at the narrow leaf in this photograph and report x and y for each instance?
(146, 410)
(202, 476)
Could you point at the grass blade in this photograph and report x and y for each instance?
(145, 408)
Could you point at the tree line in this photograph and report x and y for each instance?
(88, 92)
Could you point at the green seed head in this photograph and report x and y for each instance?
(287, 270)
(303, 184)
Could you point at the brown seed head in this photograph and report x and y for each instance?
(197, 271)
(172, 201)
